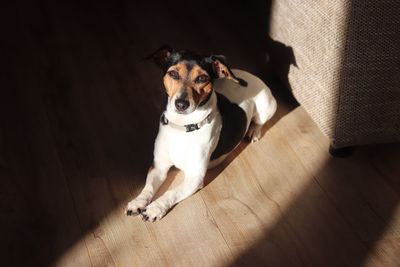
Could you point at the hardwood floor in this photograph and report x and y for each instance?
(79, 112)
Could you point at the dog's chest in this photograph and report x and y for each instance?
(194, 147)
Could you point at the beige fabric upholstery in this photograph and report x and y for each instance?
(348, 65)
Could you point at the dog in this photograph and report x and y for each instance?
(209, 110)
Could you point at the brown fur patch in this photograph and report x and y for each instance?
(174, 86)
(200, 91)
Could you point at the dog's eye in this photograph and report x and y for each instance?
(173, 74)
(202, 79)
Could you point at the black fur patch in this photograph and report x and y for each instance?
(205, 100)
(234, 122)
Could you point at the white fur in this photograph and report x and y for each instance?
(191, 151)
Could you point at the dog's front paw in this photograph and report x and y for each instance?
(153, 212)
(136, 206)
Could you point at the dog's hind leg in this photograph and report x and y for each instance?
(254, 132)
(155, 177)
(264, 108)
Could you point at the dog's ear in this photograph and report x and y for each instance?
(221, 70)
(161, 55)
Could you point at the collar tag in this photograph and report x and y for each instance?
(191, 127)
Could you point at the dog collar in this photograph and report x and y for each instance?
(188, 127)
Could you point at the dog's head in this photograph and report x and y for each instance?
(188, 77)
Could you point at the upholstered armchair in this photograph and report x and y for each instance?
(347, 71)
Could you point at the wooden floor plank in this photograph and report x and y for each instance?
(305, 207)
(357, 190)
(36, 180)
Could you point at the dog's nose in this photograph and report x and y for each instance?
(181, 104)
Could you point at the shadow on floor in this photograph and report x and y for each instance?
(80, 109)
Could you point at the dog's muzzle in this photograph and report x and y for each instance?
(181, 104)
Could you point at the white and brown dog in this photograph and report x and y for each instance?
(208, 112)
